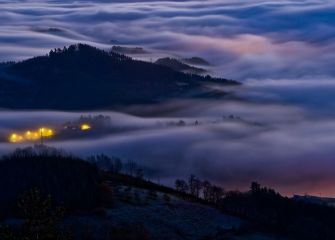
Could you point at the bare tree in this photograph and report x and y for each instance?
(181, 186)
(116, 165)
(195, 185)
(217, 194)
(191, 184)
(255, 187)
(207, 188)
(131, 167)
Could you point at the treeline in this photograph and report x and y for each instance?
(266, 209)
(200, 189)
(70, 181)
(117, 171)
(116, 166)
(128, 172)
(43, 187)
(269, 211)
(77, 185)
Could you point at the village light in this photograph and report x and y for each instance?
(30, 135)
(46, 132)
(14, 138)
(85, 127)
(40, 134)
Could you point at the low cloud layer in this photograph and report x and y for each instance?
(290, 148)
(243, 39)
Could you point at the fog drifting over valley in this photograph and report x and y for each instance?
(288, 147)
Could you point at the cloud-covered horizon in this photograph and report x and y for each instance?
(243, 39)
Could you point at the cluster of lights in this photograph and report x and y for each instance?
(31, 135)
(38, 134)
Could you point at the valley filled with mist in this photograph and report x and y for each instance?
(230, 142)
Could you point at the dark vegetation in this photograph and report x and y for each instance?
(41, 219)
(266, 209)
(84, 77)
(80, 187)
(71, 182)
(128, 173)
(273, 212)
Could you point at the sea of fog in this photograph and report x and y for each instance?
(281, 133)
(240, 38)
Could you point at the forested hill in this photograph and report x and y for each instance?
(84, 77)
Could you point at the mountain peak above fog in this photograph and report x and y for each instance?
(84, 77)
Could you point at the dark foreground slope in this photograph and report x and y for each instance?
(118, 203)
(99, 205)
(69, 180)
(84, 77)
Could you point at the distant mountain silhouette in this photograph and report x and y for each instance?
(84, 77)
(179, 66)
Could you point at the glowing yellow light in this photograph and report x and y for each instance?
(46, 132)
(30, 135)
(85, 127)
(14, 138)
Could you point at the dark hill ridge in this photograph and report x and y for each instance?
(84, 77)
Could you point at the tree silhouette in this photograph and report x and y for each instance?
(207, 190)
(41, 219)
(195, 185)
(181, 186)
